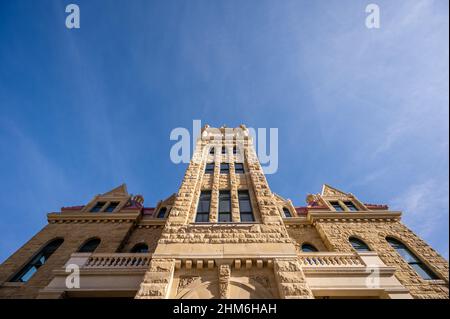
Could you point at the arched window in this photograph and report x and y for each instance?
(89, 246)
(41, 258)
(358, 244)
(140, 248)
(162, 212)
(308, 248)
(412, 259)
(286, 212)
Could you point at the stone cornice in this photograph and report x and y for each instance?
(327, 216)
(92, 217)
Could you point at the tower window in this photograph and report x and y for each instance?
(224, 150)
(38, 261)
(245, 207)
(224, 207)
(162, 212)
(98, 207)
(239, 168)
(203, 207)
(286, 212)
(140, 248)
(337, 207)
(211, 151)
(412, 259)
(234, 150)
(224, 168)
(111, 207)
(358, 245)
(308, 248)
(89, 246)
(209, 168)
(351, 206)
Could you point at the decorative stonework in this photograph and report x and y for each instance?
(224, 280)
(291, 280)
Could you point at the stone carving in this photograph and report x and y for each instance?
(262, 280)
(224, 280)
(186, 281)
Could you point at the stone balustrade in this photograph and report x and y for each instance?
(118, 260)
(330, 259)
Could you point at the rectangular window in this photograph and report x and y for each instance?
(203, 207)
(351, 206)
(111, 207)
(224, 168)
(337, 207)
(98, 206)
(211, 150)
(209, 169)
(239, 168)
(245, 207)
(224, 150)
(224, 207)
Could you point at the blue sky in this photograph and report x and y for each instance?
(364, 110)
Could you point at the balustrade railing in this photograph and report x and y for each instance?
(330, 260)
(118, 261)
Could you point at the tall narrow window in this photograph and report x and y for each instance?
(286, 212)
(140, 248)
(308, 248)
(97, 207)
(234, 150)
(162, 212)
(224, 168)
(337, 207)
(209, 168)
(245, 207)
(40, 259)
(224, 150)
(211, 150)
(203, 207)
(239, 168)
(111, 207)
(351, 206)
(224, 207)
(89, 246)
(358, 245)
(425, 272)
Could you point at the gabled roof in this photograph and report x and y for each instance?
(328, 190)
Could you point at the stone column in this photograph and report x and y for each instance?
(157, 280)
(224, 280)
(291, 280)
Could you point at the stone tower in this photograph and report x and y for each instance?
(230, 249)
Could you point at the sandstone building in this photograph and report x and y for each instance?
(225, 234)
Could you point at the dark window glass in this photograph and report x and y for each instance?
(162, 212)
(224, 206)
(89, 246)
(211, 151)
(308, 248)
(40, 259)
(337, 206)
(412, 259)
(224, 150)
(140, 248)
(286, 212)
(111, 207)
(351, 206)
(245, 207)
(98, 206)
(239, 168)
(234, 150)
(359, 245)
(224, 168)
(209, 168)
(203, 207)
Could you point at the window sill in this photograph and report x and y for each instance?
(12, 284)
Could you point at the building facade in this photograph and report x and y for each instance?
(225, 234)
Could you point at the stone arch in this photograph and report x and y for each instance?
(236, 290)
